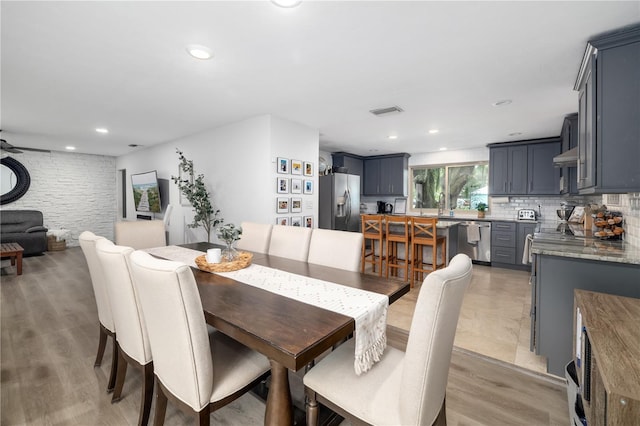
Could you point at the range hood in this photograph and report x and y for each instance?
(567, 158)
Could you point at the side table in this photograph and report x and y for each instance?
(13, 251)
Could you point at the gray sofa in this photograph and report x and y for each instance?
(24, 227)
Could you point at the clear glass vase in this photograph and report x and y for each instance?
(229, 254)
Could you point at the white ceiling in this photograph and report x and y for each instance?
(69, 67)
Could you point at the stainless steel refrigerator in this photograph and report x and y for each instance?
(339, 198)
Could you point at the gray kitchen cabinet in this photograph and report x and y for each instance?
(371, 176)
(386, 175)
(569, 136)
(608, 111)
(553, 280)
(507, 243)
(543, 178)
(524, 167)
(352, 162)
(503, 243)
(522, 230)
(508, 170)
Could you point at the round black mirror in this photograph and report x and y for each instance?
(17, 178)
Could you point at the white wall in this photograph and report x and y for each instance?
(238, 161)
(73, 191)
(448, 157)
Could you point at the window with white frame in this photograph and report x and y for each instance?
(456, 186)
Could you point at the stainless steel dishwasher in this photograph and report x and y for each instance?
(479, 251)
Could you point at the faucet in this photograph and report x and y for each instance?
(441, 204)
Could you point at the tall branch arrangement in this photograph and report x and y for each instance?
(195, 191)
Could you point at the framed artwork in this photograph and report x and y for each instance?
(308, 187)
(284, 221)
(296, 221)
(296, 186)
(283, 205)
(308, 168)
(308, 221)
(283, 185)
(296, 167)
(400, 206)
(296, 205)
(283, 165)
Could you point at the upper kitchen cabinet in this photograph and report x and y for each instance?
(352, 162)
(386, 175)
(608, 111)
(569, 136)
(524, 168)
(542, 177)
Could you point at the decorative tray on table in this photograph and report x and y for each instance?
(242, 261)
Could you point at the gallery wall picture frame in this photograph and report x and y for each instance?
(283, 165)
(282, 205)
(296, 186)
(282, 220)
(296, 221)
(308, 221)
(308, 187)
(296, 167)
(282, 185)
(296, 205)
(308, 168)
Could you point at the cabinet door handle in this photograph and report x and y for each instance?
(505, 186)
(530, 185)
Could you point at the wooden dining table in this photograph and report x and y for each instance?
(291, 334)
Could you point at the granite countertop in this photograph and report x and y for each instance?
(590, 248)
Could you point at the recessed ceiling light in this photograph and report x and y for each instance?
(199, 52)
(70, 148)
(502, 102)
(393, 137)
(443, 148)
(515, 134)
(102, 130)
(286, 3)
(433, 131)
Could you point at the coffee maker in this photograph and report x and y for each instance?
(384, 208)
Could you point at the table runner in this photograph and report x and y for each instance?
(369, 309)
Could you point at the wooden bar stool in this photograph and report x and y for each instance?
(425, 234)
(397, 233)
(372, 231)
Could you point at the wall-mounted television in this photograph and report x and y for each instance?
(146, 192)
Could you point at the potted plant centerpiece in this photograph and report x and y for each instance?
(229, 234)
(481, 207)
(195, 191)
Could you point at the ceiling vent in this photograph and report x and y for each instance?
(384, 111)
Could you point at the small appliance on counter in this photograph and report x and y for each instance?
(527, 214)
(384, 207)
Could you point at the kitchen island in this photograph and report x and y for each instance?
(562, 264)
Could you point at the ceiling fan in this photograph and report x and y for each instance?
(7, 147)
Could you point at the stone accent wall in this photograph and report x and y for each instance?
(73, 191)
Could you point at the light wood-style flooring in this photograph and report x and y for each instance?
(49, 336)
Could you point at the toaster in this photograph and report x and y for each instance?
(527, 214)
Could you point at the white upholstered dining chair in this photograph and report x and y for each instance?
(132, 339)
(291, 242)
(255, 237)
(88, 241)
(199, 372)
(337, 249)
(403, 388)
(140, 234)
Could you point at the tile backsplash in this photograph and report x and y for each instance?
(549, 205)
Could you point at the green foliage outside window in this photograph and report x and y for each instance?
(463, 186)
